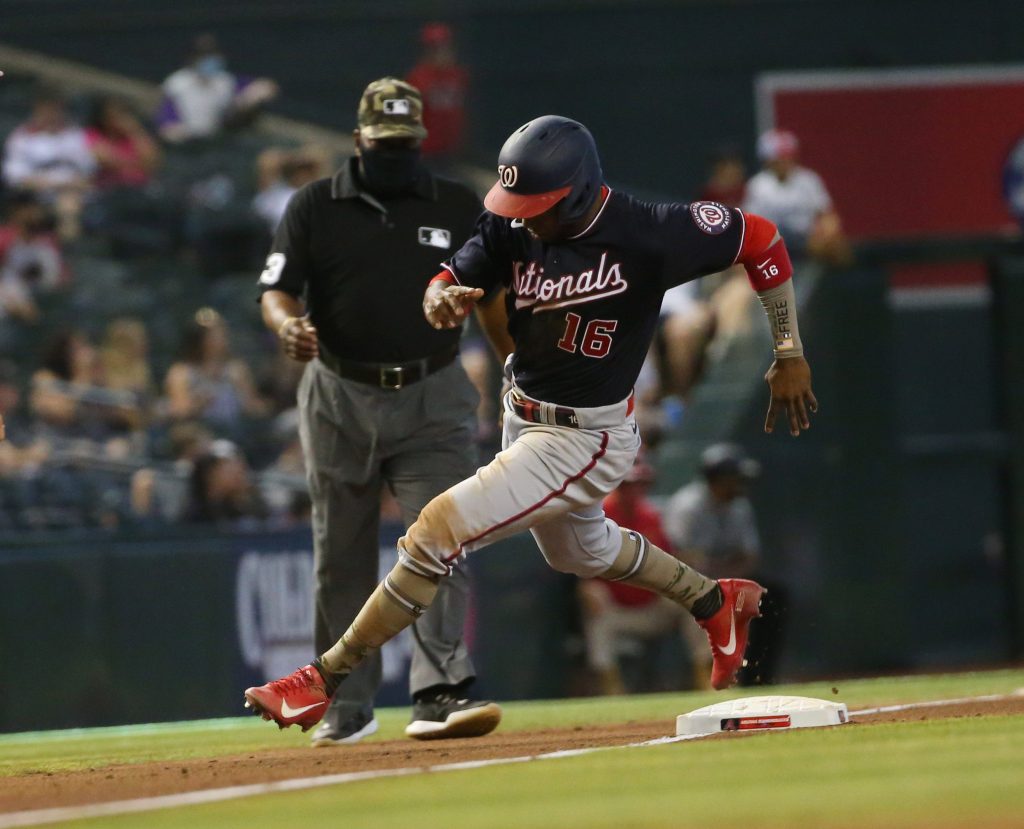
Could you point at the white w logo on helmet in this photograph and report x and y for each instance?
(508, 174)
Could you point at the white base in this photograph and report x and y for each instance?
(762, 713)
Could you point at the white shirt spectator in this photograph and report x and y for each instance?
(15, 297)
(693, 520)
(200, 102)
(58, 158)
(681, 299)
(272, 202)
(793, 203)
(38, 260)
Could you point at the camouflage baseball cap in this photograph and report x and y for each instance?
(391, 108)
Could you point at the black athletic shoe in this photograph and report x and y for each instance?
(445, 715)
(351, 731)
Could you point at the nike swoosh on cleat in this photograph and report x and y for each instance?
(288, 711)
(730, 647)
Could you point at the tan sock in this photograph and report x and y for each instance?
(395, 604)
(642, 564)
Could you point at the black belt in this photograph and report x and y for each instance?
(531, 411)
(389, 375)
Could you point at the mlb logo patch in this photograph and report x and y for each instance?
(436, 237)
(396, 106)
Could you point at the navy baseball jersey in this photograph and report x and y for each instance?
(583, 311)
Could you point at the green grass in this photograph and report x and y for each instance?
(950, 773)
(936, 773)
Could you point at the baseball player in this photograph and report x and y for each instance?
(585, 269)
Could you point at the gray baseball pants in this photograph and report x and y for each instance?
(419, 441)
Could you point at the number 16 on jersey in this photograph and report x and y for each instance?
(597, 336)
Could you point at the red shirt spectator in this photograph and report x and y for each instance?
(443, 83)
(727, 178)
(629, 507)
(125, 153)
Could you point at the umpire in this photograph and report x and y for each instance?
(383, 399)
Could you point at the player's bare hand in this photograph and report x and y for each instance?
(790, 384)
(446, 306)
(299, 339)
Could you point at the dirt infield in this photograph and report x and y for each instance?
(121, 782)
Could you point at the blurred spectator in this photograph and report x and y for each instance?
(712, 527)
(283, 483)
(21, 451)
(689, 321)
(1013, 182)
(483, 372)
(443, 83)
(126, 155)
(290, 460)
(278, 381)
(28, 256)
(204, 99)
(612, 610)
(221, 489)
(687, 326)
(125, 358)
(129, 207)
(49, 154)
(206, 381)
(651, 417)
(70, 398)
(29, 251)
(727, 177)
(279, 174)
(160, 493)
(10, 399)
(795, 199)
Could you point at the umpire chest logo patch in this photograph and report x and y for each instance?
(436, 237)
(711, 217)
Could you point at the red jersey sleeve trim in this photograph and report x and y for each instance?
(763, 254)
(758, 233)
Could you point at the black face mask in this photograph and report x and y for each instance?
(389, 171)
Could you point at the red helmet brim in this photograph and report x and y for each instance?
(518, 206)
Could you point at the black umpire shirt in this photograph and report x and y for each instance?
(362, 263)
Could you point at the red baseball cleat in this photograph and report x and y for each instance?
(727, 630)
(299, 699)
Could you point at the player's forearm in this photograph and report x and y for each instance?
(493, 319)
(770, 272)
(278, 307)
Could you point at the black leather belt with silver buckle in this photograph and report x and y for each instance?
(388, 375)
(530, 411)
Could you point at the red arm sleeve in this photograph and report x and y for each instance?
(763, 253)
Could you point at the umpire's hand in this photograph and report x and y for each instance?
(298, 337)
(446, 306)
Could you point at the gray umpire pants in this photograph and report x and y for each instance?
(419, 441)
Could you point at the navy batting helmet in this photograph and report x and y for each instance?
(549, 160)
